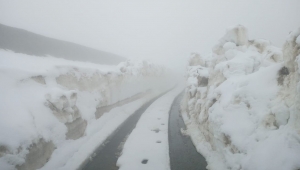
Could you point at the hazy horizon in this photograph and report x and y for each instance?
(161, 31)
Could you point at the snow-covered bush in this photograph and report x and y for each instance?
(47, 103)
(247, 116)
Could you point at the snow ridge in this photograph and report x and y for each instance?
(48, 105)
(242, 103)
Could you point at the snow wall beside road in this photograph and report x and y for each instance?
(242, 103)
(49, 102)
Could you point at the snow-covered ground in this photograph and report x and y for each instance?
(72, 154)
(242, 103)
(147, 147)
(55, 112)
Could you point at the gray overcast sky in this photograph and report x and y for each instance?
(162, 30)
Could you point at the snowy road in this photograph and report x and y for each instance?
(147, 143)
(106, 155)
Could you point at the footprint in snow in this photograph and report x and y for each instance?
(156, 130)
(144, 161)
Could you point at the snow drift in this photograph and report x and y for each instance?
(51, 106)
(242, 103)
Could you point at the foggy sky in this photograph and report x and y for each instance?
(164, 31)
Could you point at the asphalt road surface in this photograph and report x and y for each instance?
(107, 154)
(183, 154)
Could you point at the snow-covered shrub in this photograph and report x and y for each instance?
(247, 117)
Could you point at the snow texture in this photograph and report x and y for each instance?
(48, 107)
(247, 115)
(147, 147)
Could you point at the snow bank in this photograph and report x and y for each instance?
(47, 104)
(242, 103)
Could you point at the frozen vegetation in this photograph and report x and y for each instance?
(55, 113)
(242, 103)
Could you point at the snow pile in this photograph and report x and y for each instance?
(242, 103)
(48, 103)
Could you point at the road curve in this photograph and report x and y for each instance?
(182, 152)
(107, 155)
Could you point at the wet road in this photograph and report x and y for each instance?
(107, 155)
(183, 154)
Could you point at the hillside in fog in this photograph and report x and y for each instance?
(22, 41)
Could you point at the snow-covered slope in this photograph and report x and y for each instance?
(242, 103)
(51, 106)
(26, 42)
